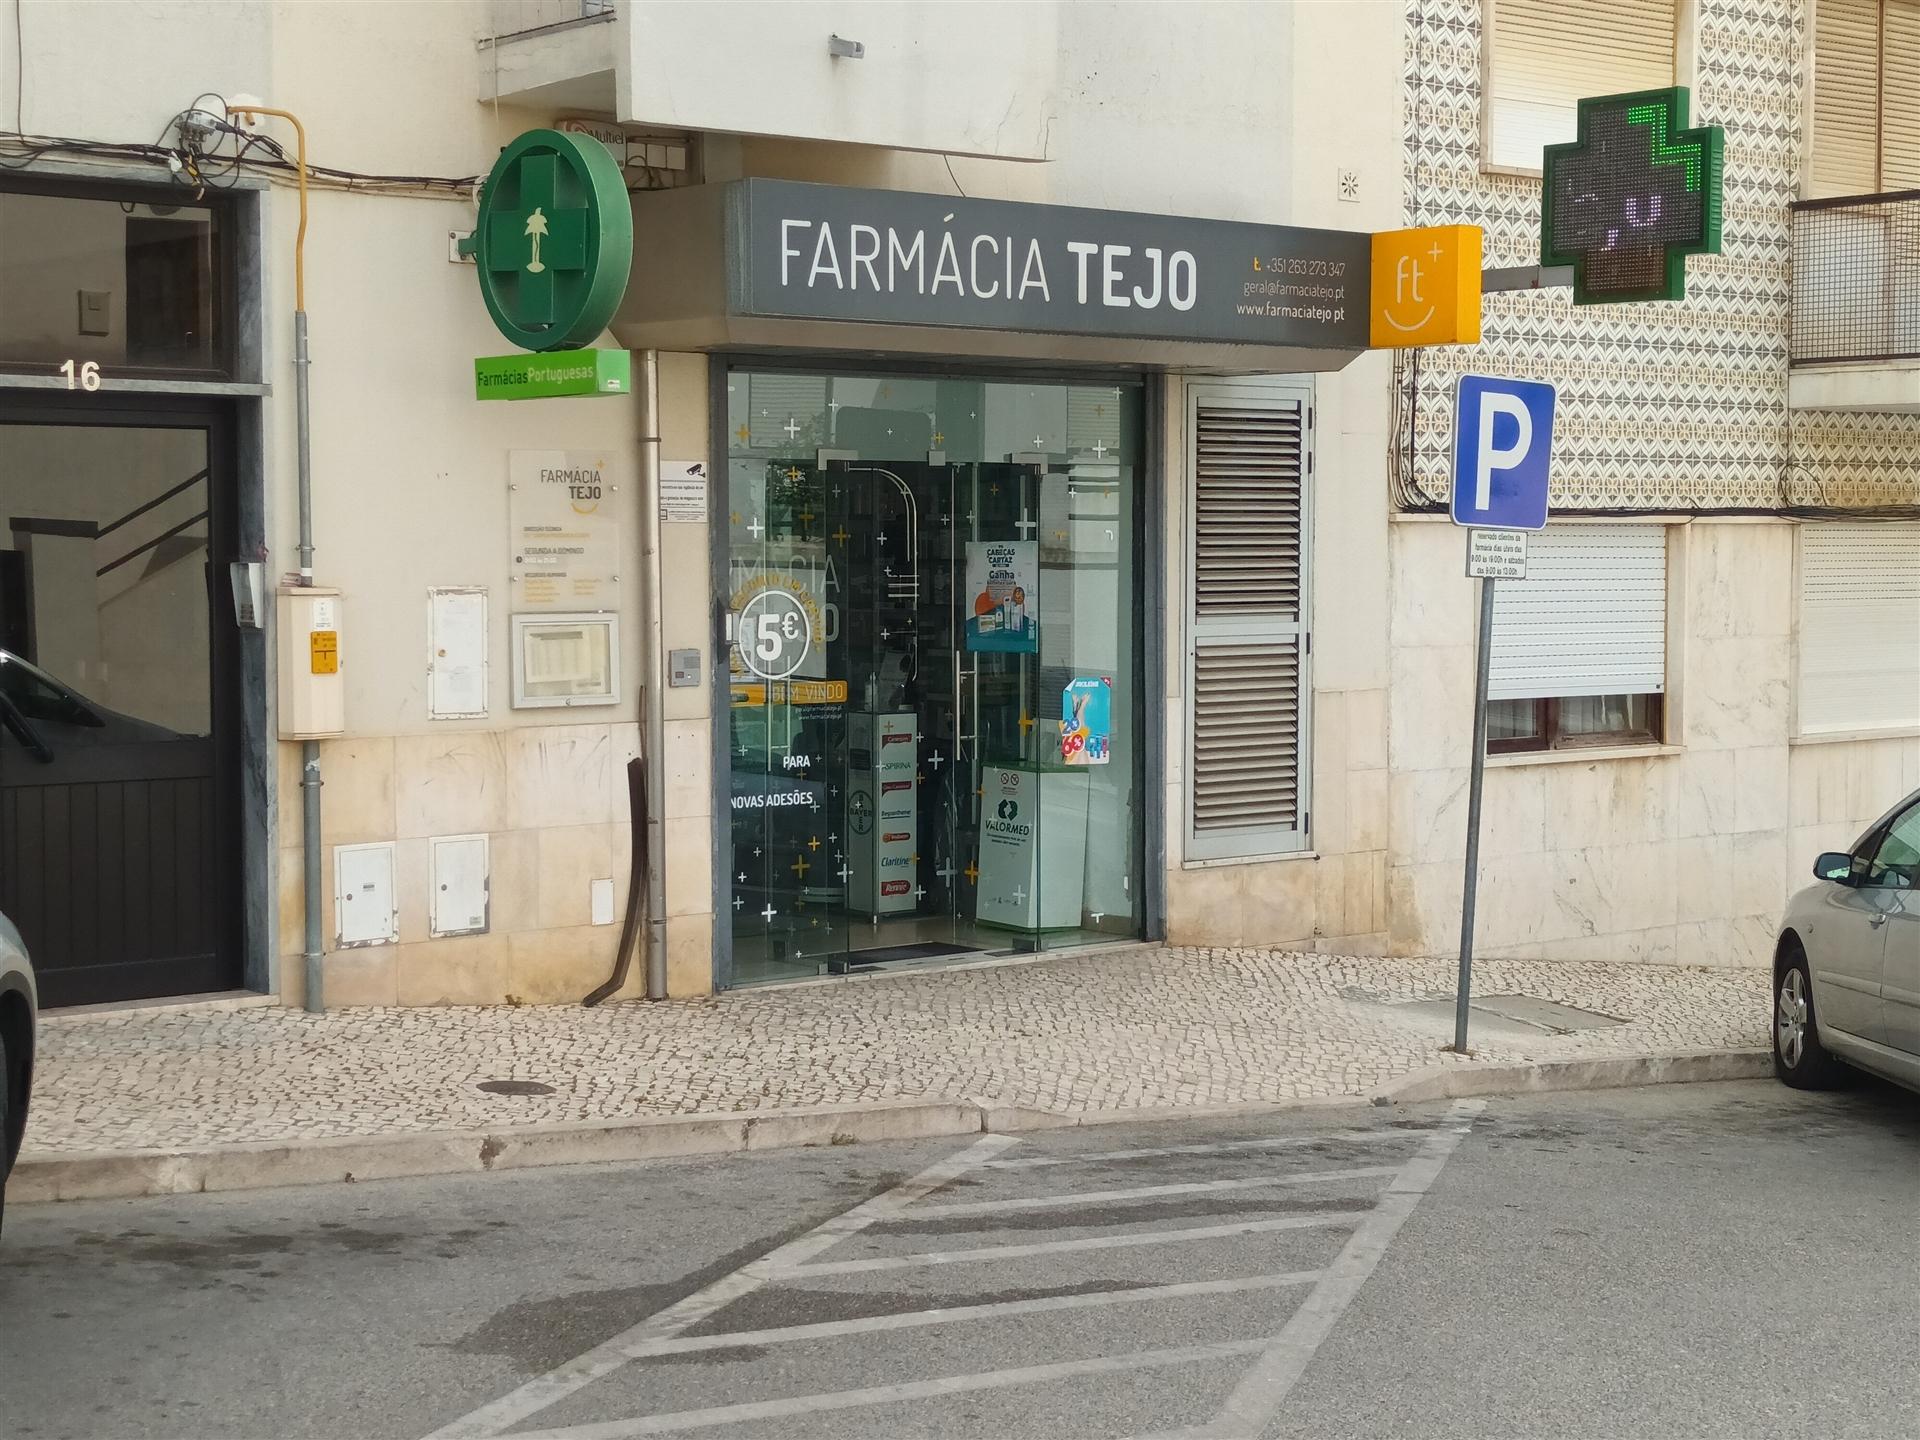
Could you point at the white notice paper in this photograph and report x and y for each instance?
(683, 490)
(456, 653)
(1497, 554)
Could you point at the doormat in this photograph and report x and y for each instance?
(885, 954)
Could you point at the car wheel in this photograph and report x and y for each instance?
(6, 1100)
(1799, 1058)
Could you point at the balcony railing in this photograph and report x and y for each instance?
(526, 17)
(1856, 279)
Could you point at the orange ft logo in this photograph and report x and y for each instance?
(1426, 287)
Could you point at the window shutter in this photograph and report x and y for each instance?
(1589, 619)
(1846, 97)
(1859, 626)
(1247, 680)
(1547, 54)
(1900, 98)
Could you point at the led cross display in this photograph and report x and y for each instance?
(1627, 202)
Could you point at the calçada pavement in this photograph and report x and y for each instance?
(160, 1100)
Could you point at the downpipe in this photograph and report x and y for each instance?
(646, 775)
(653, 718)
(313, 956)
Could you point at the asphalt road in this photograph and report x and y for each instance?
(1712, 1260)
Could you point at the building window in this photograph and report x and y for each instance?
(1545, 55)
(1249, 452)
(1580, 645)
(1859, 627)
(1866, 96)
(135, 282)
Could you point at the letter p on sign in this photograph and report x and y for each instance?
(1502, 453)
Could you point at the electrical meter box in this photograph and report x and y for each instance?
(312, 689)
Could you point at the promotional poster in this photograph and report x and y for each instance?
(1003, 582)
(1086, 720)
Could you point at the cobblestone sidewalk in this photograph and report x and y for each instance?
(1129, 1029)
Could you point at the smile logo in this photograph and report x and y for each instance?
(1426, 287)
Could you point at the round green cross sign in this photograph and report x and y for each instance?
(554, 240)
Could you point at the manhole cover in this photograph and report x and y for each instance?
(1548, 1014)
(515, 1087)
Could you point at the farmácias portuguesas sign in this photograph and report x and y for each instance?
(553, 246)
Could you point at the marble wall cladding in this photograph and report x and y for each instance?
(553, 803)
(1682, 857)
(1339, 891)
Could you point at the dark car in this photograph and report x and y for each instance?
(19, 1003)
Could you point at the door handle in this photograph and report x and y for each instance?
(1877, 919)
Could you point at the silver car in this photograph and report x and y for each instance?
(1846, 974)
(18, 1005)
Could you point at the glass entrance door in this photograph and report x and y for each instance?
(931, 671)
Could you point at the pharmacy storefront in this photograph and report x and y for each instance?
(938, 516)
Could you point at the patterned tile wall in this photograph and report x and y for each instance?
(1662, 406)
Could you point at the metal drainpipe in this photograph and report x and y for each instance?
(655, 662)
(310, 853)
(310, 857)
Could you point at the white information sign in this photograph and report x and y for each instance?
(566, 510)
(1497, 554)
(683, 491)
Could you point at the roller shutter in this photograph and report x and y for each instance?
(1547, 54)
(1859, 638)
(1589, 619)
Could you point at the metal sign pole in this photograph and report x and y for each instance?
(1469, 893)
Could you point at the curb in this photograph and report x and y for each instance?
(121, 1174)
(1534, 1077)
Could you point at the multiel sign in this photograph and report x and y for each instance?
(1502, 452)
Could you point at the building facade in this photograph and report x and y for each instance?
(992, 609)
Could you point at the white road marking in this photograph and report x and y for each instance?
(1261, 1392)
(892, 1394)
(920, 1319)
(1350, 1137)
(1064, 1247)
(543, 1390)
(1145, 1192)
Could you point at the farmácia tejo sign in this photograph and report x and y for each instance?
(896, 257)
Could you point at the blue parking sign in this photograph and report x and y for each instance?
(1502, 452)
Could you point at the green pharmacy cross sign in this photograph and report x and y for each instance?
(554, 241)
(1628, 201)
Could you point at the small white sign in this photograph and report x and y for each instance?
(683, 491)
(1497, 554)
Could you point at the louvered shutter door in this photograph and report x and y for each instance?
(1859, 626)
(1900, 97)
(1247, 683)
(1547, 54)
(1846, 97)
(1589, 619)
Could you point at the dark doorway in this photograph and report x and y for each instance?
(119, 733)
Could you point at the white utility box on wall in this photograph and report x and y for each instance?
(313, 700)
